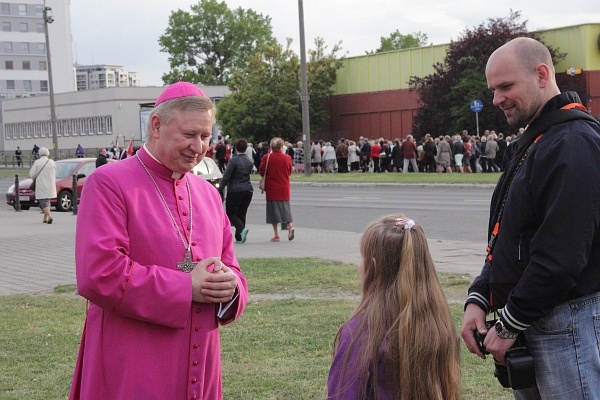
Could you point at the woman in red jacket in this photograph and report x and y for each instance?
(277, 168)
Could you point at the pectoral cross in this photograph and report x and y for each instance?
(187, 265)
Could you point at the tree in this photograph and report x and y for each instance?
(265, 96)
(212, 41)
(398, 41)
(264, 100)
(321, 73)
(446, 94)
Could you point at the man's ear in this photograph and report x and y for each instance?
(543, 74)
(155, 123)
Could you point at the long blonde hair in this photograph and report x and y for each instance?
(403, 316)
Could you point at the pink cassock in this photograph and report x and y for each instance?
(144, 338)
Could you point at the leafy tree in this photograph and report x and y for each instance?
(398, 41)
(264, 100)
(207, 44)
(265, 96)
(322, 73)
(446, 94)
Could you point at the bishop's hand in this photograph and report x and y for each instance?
(213, 286)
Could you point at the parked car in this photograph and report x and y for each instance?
(209, 170)
(65, 169)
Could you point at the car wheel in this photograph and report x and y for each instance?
(64, 201)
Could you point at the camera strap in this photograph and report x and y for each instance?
(523, 146)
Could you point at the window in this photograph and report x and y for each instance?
(20, 128)
(23, 27)
(5, 8)
(90, 126)
(82, 126)
(8, 64)
(39, 28)
(43, 66)
(8, 47)
(28, 129)
(6, 27)
(26, 65)
(27, 86)
(25, 48)
(22, 10)
(109, 125)
(43, 86)
(39, 10)
(74, 127)
(41, 48)
(10, 85)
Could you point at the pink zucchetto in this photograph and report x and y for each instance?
(179, 89)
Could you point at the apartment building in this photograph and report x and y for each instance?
(23, 53)
(104, 76)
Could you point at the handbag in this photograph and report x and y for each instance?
(263, 181)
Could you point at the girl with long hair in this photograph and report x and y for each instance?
(401, 342)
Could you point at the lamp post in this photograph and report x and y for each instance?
(48, 19)
(304, 97)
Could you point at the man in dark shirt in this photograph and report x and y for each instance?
(544, 230)
(101, 160)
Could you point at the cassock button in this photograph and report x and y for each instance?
(198, 259)
(196, 345)
(198, 311)
(193, 398)
(195, 363)
(176, 183)
(193, 243)
(197, 328)
(185, 213)
(180, 197)
(194, 380)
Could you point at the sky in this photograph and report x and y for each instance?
(126, 32)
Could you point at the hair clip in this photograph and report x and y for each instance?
(408, 224)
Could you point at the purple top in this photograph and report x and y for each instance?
(350, 380)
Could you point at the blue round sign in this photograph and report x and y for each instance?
(476, 106)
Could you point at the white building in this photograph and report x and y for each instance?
(104, 76)
(23, 57)
(93, 118)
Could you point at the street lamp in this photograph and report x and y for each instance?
(48, 19)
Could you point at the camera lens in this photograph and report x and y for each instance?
(501, 373)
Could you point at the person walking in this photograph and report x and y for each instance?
(276, 167)
(542, 272)
(239, 189)
(18, 156)
(43, 173)
(401, 342)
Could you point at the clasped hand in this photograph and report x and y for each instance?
(216, 286)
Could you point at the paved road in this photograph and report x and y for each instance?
(36, 257)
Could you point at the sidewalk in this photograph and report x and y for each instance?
(36, 257)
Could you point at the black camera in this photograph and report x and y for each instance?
(519, 371)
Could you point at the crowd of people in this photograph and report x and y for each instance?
(462, 153)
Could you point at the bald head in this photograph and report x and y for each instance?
(521, 75)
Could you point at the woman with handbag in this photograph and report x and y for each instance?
(276, 168)
(43, 173)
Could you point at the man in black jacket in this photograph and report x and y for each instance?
(544, 232)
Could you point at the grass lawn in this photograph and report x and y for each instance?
(279, 349)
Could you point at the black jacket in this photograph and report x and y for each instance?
(237, 175)
(548, 247)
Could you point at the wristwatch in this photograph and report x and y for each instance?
(503, 332)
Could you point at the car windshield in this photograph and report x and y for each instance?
(65, 169)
